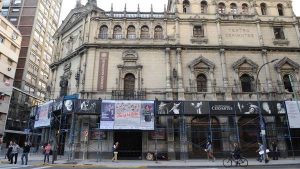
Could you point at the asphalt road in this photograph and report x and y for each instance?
(8, 166)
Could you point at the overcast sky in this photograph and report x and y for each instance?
(131, 5)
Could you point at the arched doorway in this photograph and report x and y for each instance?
(249, 134)
(129, 85)
(201, 132)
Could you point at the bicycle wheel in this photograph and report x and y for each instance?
(227, 162)
(243, 162)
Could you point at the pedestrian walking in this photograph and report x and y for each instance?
(209, 151)
(47, 150)
(14, 152)
(274, 150)
(115, 151)
(26, 150)
(260, 150)
(8, 153)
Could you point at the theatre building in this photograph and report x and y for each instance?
(199, 70)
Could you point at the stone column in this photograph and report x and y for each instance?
(264, 54)
(224, 69)
(180, 77)
(183, 139)
(170, 138)
(168, 74)
(260, 37)
(220, 39)
(177, 30)
(297, 31)
(223, 120)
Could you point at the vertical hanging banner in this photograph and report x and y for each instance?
(102, 75)
(129, 115)
(293, 112)
(42, 118)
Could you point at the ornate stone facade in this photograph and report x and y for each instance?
(164, 55)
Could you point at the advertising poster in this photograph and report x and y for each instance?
(170, 107)
(158, 134)
(68, 106)
(196, 107)
(221, 107)
(135, 115)
(86, 106)
(292, 109)
(98, 135)
(246, 107)
(57, 104)
(42, 118)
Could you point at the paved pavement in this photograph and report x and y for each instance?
(36, 162)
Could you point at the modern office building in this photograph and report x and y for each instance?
(220, 55)
(10, 45)
(37, 21)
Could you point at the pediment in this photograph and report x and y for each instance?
(286, 64)
(245, 64)
(201, 63)
(76, 15)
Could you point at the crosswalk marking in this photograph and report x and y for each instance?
(15, 166)
(42, 167)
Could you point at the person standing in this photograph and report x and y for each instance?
(47, 150)
(274, 150)
(14, 152)
(209, 151)
(25, 153)
(115, 150)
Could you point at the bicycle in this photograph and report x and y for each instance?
(228, 162)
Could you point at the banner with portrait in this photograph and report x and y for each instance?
(170, 107)
(196, 107)
(135, 115)
(43, 115)
(293, 112)
(86, 106)
(68, 106)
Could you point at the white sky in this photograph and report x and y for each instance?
(131, 5)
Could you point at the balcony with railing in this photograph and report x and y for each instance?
(129, 94)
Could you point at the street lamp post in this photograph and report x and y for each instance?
(261, 121)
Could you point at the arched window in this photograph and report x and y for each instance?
(247, 83)
(233, 8)
(103, 33)
(131, 32)
(245, 8)
(287, 83)
(158, 32)
(201, 83)
(221, 8)
(129, 85)
(280, 9)
(198, 31)
(186, 6)
(203, 7)
(263, 8)
(145, 32)
(117, 34)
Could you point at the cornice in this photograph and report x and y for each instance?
(85, 47)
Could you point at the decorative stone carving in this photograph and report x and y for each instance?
(245, 65)
(286, 65)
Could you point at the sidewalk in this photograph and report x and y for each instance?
(37, 160)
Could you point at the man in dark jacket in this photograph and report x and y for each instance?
(26, 151)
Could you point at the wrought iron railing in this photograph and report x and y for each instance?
(129, 94)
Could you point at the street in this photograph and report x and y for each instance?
(8, 166)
